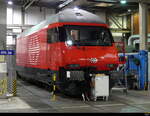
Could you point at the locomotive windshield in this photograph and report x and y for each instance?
(89, 36)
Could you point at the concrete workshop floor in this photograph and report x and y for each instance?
(32, 99)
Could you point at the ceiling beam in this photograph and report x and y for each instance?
(145, 1)
(76, 3)
(113, 1)
(104, 1)
(26, 3)
(65, 3)
(26, 7)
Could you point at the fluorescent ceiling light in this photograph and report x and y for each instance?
(10, 2)
(76, 8)
(104, 4)
(110, 1)
(129, 10)
(123, 1)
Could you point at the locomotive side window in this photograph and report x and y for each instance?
(62, 34)
(49, 36)
(52, 35)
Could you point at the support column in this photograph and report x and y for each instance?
(132, 25)
(11, 69)
(3, 67)
(2, 25)
(143, 25)
(23, 16)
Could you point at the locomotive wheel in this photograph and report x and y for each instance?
(73, 88)
(17, 75)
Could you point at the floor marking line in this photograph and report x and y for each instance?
(109, 105)
(75, 107)
(140, 103)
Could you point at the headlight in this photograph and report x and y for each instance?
(69, 43)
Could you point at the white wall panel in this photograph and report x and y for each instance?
(49, 12)
(9, 15)
(17, 15)
(33, 15)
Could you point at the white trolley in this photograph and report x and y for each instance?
(100, 87)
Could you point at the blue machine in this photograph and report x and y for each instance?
(139, 63)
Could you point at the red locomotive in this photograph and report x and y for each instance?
(73, 44)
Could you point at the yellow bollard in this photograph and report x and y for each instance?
(54, 88)
(54, 96)
(3, 87)
(14, 90)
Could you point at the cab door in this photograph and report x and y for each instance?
(53, 49)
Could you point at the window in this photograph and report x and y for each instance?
(49, 36)
(89, 36)
(52, 35)
(75, 35)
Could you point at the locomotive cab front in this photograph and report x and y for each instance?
(88, 46)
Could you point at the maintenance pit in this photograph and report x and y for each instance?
(32, 99)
